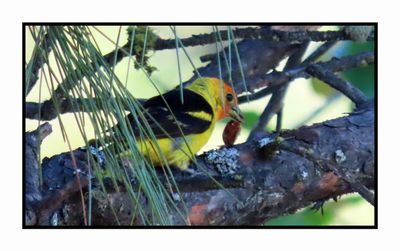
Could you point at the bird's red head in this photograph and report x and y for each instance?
(225, 99)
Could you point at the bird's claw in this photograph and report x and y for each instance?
(319, 204)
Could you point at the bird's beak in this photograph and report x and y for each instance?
(236, 114)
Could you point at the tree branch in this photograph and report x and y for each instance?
(266, 180)
(48, 110)
(275, 79)
(339, 84)
(262, 34)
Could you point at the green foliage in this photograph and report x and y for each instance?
(322, 88)
(363, 78)
(309, 217)
(142, 39)
(251, 118)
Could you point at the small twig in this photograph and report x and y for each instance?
(319, 52)
(257, 95)
(272, 107)
(293, 61)
(337, 83)
(275, 103)
(279, 117)
(207, 57)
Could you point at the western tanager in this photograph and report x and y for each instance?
(182, 129)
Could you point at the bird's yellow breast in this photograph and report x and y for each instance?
(178, 151)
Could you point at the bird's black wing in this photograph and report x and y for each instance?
(159, 117)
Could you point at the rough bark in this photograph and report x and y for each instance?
(264, 178)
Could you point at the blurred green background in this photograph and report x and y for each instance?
(303, 98)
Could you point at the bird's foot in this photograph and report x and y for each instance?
(319, 204)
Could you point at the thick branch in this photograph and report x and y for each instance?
(47, 111)
(264, 34)
(32, 148)
(265, 181)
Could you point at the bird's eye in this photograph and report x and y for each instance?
(229, 97)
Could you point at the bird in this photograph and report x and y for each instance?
(181, 127)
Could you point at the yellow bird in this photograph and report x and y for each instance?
(182, 129)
